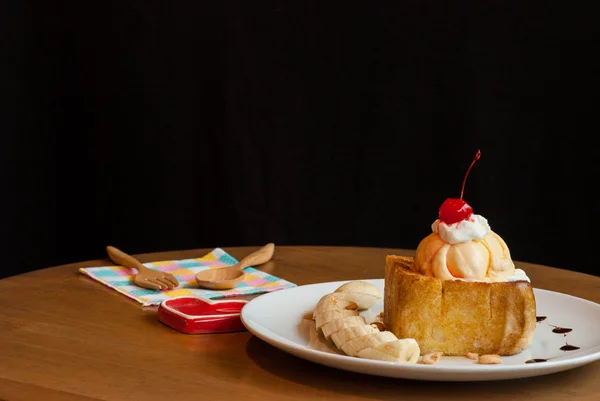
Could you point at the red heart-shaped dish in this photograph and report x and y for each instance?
(193, 315)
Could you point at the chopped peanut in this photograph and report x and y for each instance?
(378, 325)
(432, 358)
(472, 355)
(489, 359)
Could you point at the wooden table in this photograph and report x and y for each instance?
(64, 336)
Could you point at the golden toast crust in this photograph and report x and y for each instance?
(457, 317)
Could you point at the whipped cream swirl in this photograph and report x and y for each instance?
(518, 275)
(474, 228)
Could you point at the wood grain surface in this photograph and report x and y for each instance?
(64, 336)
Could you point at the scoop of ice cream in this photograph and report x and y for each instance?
(467, 250)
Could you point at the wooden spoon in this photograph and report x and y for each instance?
(146, 278)
(228, 277)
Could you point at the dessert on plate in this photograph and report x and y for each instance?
(460, 293)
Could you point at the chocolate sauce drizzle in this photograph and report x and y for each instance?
(561, 330)
(557, 330)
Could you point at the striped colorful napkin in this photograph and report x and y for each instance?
(121, 279)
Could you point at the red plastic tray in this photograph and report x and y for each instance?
(193, 315)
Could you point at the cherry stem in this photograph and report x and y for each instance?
(477, 156)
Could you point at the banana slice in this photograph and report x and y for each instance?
(350, 333)
(338, 324)
(405, 350)
(336, 316)
(332, 314)
(365, 295)
(330, 302)
(354, 346)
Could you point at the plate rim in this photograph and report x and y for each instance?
(553, 366)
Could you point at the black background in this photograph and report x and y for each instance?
(153, 125)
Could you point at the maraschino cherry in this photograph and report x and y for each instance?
(454, 210)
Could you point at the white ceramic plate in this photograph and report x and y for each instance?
(277, 318)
